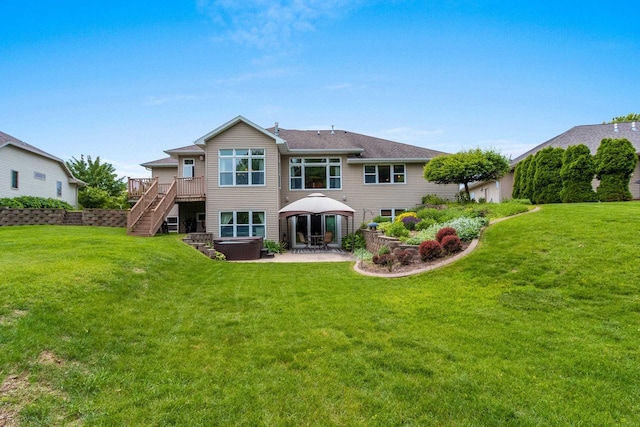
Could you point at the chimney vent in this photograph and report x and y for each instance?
(615, 127)
(277, 129)
(332, 132)
(633, 127)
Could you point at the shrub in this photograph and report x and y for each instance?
(31, 202)
(451, 244)
(410, 222)
(433, 199)
(425, 223)
(445, 231)
(379, 219)
(273, 246)
(467, 229)
(394, 229)
(385, 260)
(429, 250)
(353, 241)
(384, 249)
(363, 254)
(404, 257)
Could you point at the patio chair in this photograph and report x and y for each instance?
(302, 238)
(328, 238)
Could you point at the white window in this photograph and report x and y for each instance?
(384, 174)
(59, 188)
(391, 213)
(242, 166)
(40, 176)
(311, 173)
(242, 224)
(188, 168)
(14, 180)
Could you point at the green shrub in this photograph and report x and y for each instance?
(433, 199)
(394, 229)
(615, 162)
(425, 223)
(31, 202)
(384, 249)
(353, 241)
(429, 250)
(273, 246)
(363, 254)
(380, 219)
(467, 229)
(547, 182)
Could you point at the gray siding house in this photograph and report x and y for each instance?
(589, 135)
(234, 180)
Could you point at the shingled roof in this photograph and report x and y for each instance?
(6, 139)
(360, 148)
(591, 136)
(167, 162)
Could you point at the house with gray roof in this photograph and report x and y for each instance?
(28, 171)
(233, 181)
(589, 135)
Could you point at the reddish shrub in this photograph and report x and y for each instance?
(446, 231)
(429, 249)
(404, 257)
(385, 260)
(451, 244)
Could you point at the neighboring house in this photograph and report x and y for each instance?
(589, 135)
(29, 171)
(233, 181)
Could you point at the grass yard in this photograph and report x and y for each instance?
(539, 326)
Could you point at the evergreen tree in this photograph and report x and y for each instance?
(547, 182)
(615, 162)
(577, 173)
(526, 179)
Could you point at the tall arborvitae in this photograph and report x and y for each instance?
(547, 183)
(615, 162)
(577, 174)
(526, 179)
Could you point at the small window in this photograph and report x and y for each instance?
(242, 224)
(391, 213)
(384, 174)
(59, 188)
(40, 176)
(14, 179)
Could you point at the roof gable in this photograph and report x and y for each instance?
(239, 119)
(6, 139)
(591, 136)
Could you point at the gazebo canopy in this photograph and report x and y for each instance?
(316, 203)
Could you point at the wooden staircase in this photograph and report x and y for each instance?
(146, 216)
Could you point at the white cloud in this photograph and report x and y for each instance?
(271, 24)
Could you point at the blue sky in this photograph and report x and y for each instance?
(125, 80)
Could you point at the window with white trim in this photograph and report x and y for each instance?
(384, 174)
(391, 213)
(243, 224)
(59, 188)
(40, 176)
(314, 173)
(14, 180)
(242, 166)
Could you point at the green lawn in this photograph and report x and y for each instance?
(539, 326)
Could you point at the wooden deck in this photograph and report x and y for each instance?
(187, 189)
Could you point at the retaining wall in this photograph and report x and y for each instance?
(90, 217)
(375, 240)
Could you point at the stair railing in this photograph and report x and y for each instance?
(160, 211)
(138, 210)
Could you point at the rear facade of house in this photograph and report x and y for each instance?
(233, 181)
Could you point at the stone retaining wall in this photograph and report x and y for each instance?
(90, 217)
(375, 240)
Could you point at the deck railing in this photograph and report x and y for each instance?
(186, 188)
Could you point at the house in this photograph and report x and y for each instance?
(589, 135)
(29, 171)
(233, 181)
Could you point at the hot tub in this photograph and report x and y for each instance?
(239, 248)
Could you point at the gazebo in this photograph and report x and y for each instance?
(317, 204)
